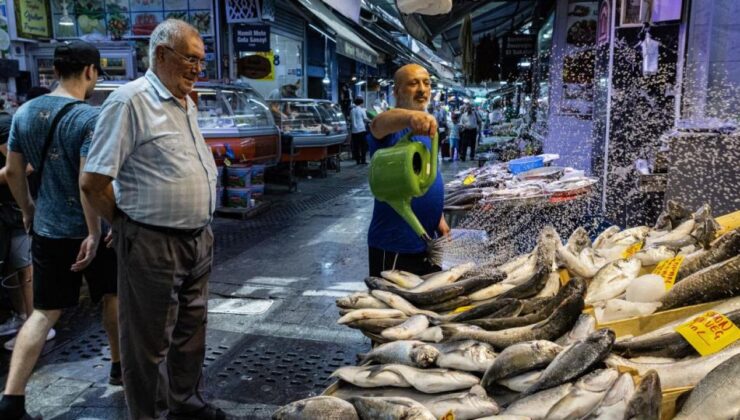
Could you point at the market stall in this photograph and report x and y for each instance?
(619, 326)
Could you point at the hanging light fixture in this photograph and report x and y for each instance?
(326, 79)
(65, 20)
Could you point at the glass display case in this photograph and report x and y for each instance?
(224, 107)
(311, 122)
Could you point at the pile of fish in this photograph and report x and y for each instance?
(494, 182)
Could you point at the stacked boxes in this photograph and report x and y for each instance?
(244, 184)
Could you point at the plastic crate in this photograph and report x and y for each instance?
(524, 164)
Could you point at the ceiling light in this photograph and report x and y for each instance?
(65, 20)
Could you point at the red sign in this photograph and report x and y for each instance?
(605, 21)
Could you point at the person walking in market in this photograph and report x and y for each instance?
(148, 145)
(53, 133)
(391, 241)
(469, 135)
(359, 121)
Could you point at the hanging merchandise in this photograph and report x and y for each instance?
(650, 50)
(425, 7)
(466, 46)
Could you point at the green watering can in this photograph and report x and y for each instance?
(401, 172)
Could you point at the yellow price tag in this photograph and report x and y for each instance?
(668, 269)
(449, 416)
(710, 332)
(462, 309)
(632, 250)
(468, 180)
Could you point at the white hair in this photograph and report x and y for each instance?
(166, 33)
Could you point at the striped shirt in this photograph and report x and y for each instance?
(163, 171)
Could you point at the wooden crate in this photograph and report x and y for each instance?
(643, 324)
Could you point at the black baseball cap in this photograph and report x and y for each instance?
(78, 52)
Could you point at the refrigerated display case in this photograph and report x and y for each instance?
(317, 128)
(118, 61)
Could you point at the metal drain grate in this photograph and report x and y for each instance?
(273, 370)
(91, 345)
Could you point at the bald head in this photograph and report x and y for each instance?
(413, 87)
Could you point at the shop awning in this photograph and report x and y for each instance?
(348, 43)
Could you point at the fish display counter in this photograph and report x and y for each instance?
(535, 336)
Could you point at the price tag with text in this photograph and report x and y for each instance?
(710, 332)
(632, 250)
(468, 180)
(668, 269)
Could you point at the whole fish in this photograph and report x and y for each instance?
(390, 408)
(373, 376)
(652, 256)
(324, 407)
(605, 236)
(430, 335)
(467, 355)
(537, 406)
(409, 329)
(505, 417)
(578, 241)
(359, 314)
(673, 215)
(646, 401)
(612, 280)
(614, 404)
(360, 300)
(687, 372)
(530, 287)
(402, 278)
(521, 273)
(492, 291)
(404, 352)
(587, 393)
(432, 381)
(706, 227)
(577, 266)
(520, 358)
(677, 238)
(440, 294)
(443, 278)
(715, 282)
(591, 258)
(551, 287)
(561, 320)
(484, 309)
(585, 326)
(575, 360)
(522, 381)
(449, 305)
(726, 247)
(516, 262)
(671, 344)
(397, 302)
(375, 326)
(469, 405)
(616, 309)
(716, 396)
(630, 236)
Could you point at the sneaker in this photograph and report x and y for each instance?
(11, 326)
(208, 412)
(11, 343)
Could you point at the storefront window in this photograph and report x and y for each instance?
(286, 57)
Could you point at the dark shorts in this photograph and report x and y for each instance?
(55, 286)
(380, 260)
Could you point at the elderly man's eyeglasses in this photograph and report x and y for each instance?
(193, 61)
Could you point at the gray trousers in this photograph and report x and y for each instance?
(163, 297)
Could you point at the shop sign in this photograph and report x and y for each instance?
(251, 37)
(257, 66)
(356, 53)
(519, 45)
(605, 22)
(32, 18)
(4, 36)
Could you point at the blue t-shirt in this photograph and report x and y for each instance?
(388, 231)
(58, 207)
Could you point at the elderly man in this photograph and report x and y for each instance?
(148, 148)
(391, 241)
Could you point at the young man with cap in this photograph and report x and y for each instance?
(53, 133)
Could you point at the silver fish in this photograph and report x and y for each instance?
(604, 236)
(585, 325)
(630, 236)
(578, 241)
(370, 376)
(723, 249)
(575, 361)
(575, 265)
(397, 302)
(402, 278)
(537, 406)
(468, 355)
(652, 256)
(551, 287)
(430, 335)
(614, 404)
(360, 300)
(522, 381)
(612, 280)
(359, 314)
(464, 406)
(432, 381)
(715, 282)
(390, 408)
(324, 407)
(443, 278)
(404, 352)
(716, 396)
(687, 372)
(520, 358)
(409, 329)
(375, 326)
(646, 401)
(587, 393)
(678, 237)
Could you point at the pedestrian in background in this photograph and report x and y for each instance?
(148, 145)
(53, 133)
(455, 136)
(359, 121)
(469, 135)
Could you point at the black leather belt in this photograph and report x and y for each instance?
(166, 230)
